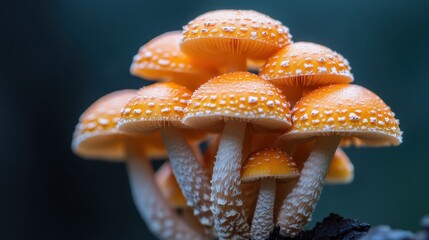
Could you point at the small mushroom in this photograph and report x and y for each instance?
(267, 165)
(161, 59)
(329, 114)
(161, 106)
(96, 137)
(234, 102)
(229, 37)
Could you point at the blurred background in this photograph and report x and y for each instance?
(57, 57)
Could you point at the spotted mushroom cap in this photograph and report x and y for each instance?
(155, 106)
(169, 187)
(240, 32)
(238, 96)
(162, 59)
(97, 137)
(341, 170)
(346, 110)
(306, 64)
(269, 163)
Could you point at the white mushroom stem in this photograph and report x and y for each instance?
(190, 175)
(227, 203)
(298, 206)
(236, 63)
(249, 192)
(154, 209)
(263, 223)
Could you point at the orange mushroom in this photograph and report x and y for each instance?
(161, 106)
(329, 114)
(96, 136)
(162, 59)
(267, 165)
(233, 102)
(229, 37)
(306, 65)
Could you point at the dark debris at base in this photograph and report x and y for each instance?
(332, 227)
(335, 227)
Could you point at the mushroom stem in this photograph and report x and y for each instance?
(262, 223)
(297, 208)
(227, 203)
(154, 209)
(236, 63)
(190, 175)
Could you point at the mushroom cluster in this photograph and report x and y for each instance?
(273, 138)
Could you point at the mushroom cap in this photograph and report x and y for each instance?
(162, 59)
(269, 163)
(306, 64)
(96, 135)
(346, 110)
(341, 170)
(234, 32)
(167, 183)
(155, 106)
(238, 96)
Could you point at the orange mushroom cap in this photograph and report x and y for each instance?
(347, 110)
(341, 170)
(96, 135)
(155, 106)
(238, 96)
(306, 64)
(269, 162)
(162, 59)
(241, 32)
(169, 187)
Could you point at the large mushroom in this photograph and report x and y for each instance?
(162, 59)
(229, 37)
(161, 106)
(267, 165)
(234, 102)
(329, 114)
(96, 137)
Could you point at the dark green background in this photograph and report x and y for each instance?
(59, 56)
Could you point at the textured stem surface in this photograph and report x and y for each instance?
(154, 209)
(190, 175)
(262, 223)
(227, 203)
(297, 208)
